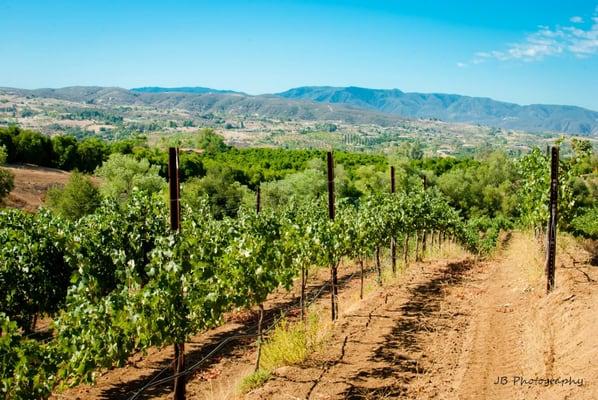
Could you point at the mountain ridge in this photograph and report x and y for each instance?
(266, 105)
(183, 89)
(455, 108)
(352, 104)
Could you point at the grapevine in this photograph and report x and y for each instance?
(128, 268)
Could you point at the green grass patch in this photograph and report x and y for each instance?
(254, 380)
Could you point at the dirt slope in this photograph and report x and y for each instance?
(31, 185)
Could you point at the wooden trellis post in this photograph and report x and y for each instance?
(393, 239)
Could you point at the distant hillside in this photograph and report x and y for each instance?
(184, 89)
(351, 105)
(268, 106)
(455, 108)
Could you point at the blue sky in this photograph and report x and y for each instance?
(519, 51)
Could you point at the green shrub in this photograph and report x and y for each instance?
(586, 224)
(78, 198)
(7, 182)
(122, 173)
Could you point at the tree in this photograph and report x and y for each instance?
(225, 195)
(190, 165)
(33, 148)
(413, 150)
(305, 185)
(65, 152)
(6, 177)
(372, 181)
(3, 155)
(210, 141)
(343, 186)
(79, 197)
(92, 151)
(483, 188)
(122, 173)
(127, 146)
(7, 136)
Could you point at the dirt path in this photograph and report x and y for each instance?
(376, 352)
(519, 334)
(453, 329)
(494, 344)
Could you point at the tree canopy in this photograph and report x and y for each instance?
(122, 173)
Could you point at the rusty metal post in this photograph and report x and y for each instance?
(552, 221)
(175, 225)
(331, 215)
(393, 239)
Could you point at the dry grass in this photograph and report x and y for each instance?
(446, 251)
(289, 343)
(567, 244)
(218, 390)
(526, 254)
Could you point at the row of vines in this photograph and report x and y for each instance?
(112, 280)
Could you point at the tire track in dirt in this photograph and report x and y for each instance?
(497, 333)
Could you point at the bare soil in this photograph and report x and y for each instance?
(451, 329)
(31, 185)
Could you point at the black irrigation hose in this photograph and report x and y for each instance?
(153, 382)
(189, 370)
